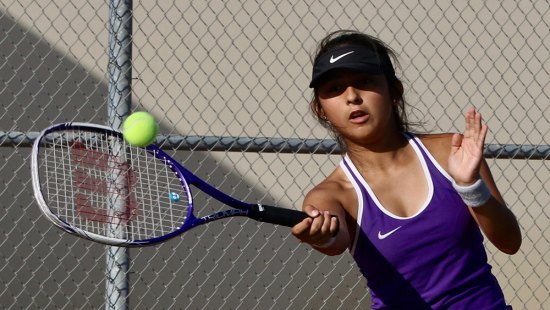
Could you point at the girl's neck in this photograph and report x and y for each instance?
(378, 155)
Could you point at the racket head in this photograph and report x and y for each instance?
(89, 182)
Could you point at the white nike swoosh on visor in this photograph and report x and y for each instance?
(335, 59)
(384, 236)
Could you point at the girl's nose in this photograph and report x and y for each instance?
(353, 96)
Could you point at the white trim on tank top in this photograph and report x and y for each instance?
(355, 171)
(432, 159)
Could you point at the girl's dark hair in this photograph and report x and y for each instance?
(350, 37)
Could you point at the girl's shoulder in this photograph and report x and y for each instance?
(334, 189)
(435, 139)
(439, 145)
(334, 182)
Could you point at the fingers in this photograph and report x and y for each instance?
(475, 130)
(318, 228)
(323, 224)
(301, 229)
(323, 229)
(467, 149)
(475, 125)
(470, 130)
(456, 142)
(311, 211)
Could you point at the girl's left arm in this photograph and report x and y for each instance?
(495, 219)
(466, 165)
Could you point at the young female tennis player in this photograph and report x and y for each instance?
(409, 207)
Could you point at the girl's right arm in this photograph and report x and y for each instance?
(326, 229)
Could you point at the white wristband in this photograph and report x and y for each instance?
(473, 195)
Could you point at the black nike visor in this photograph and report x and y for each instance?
(352, 57)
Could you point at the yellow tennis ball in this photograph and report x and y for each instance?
(140, 129)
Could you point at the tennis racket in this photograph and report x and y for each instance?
(89, 182)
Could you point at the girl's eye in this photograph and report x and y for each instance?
(331, 90)
(335, 88)
(363, 83)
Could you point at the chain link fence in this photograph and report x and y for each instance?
(227, 81)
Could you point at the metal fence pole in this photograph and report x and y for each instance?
(119, 103)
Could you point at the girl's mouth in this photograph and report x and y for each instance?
(358, 116)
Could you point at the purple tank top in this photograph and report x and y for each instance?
(434, 259)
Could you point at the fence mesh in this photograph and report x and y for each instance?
(239, 70)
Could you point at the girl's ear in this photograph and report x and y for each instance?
(317, 109)
(321, 113)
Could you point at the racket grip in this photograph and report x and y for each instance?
(278, 216)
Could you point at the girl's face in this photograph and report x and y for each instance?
(358, 105)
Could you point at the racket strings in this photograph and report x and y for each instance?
(99, 184)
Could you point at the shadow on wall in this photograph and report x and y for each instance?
(41, 86)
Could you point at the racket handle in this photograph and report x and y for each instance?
(278, 216)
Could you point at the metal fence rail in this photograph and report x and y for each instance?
(280, 145)
(227, 81)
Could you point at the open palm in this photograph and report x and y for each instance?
(467, 150)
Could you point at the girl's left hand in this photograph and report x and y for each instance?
(467, 150)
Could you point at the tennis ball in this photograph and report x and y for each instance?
(140, 129)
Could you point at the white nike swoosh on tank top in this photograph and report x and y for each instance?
(384, 236)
